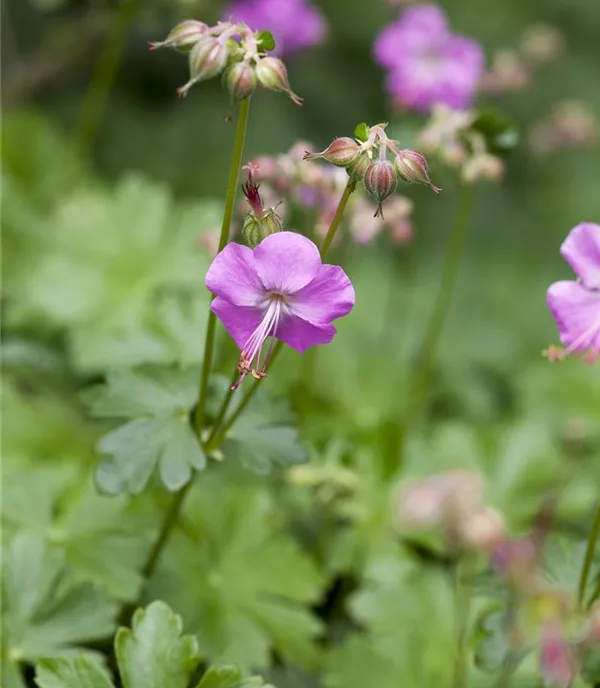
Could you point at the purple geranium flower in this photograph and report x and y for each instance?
(427, 63)
(575, 305)
(295, 24)
(279, 290)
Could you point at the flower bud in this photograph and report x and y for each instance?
(483, 530)
(342, 152)
(272, 74)
(412, 167)
(257, 228)
(380, 181)
(182, 37)
(240, 80)
(357, 168)
(207, 59)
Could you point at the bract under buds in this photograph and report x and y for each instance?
(412, 167)
(207, 59)
(183, 37)
(380, 181)
(240, 80)
(342, 152)
(272, 74)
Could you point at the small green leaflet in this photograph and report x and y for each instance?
(158, 401)
(362, 131)
(152, 654)
(265, 41)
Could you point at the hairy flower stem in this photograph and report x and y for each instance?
(589, 556)
(420, 382)
(96, 97)
(234, 172)
(219, 432)
(463, 574)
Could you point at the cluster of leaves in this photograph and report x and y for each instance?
(279, 565)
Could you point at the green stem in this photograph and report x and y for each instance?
(463, 595)
(437, 320)
(589, 556)
(337, 218)
(220, 432)
(96, 97)
(174, 508)
(234, 173)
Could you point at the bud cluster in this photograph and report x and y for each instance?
(449, 135)
(453, 501)
(512, 69)
(367, 161)
(312, 188)
(231, 50)
(571, 124)
(543, 615)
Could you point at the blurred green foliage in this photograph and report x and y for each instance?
(294, 571)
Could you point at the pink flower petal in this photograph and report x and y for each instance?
(581, 249)
(300, 334)
(232, 275)
(577, 314)
(330, 295)
(239, 321)
(286, 262)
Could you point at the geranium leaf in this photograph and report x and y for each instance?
(154, 654)
(82, 672)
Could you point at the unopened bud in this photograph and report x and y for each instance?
(412, 167)
(240, 80)
(182, 37)
(207, 59)
(342, 152)
(483, 530)
(359, 166)
(380, 181)
(272, 74)
(257, 228)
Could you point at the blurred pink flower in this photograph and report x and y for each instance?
(295, 24)
(427, 63)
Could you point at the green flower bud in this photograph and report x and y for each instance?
(240, 80)
(411, 166)
(182, 37)
(380, 181)
(272, 74)
(342, 152)
(256, 228)
(357, 168)
(208, 58)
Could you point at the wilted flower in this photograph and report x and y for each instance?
(575, 305)
(279, 290)
(427, 63)
(295, 24)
